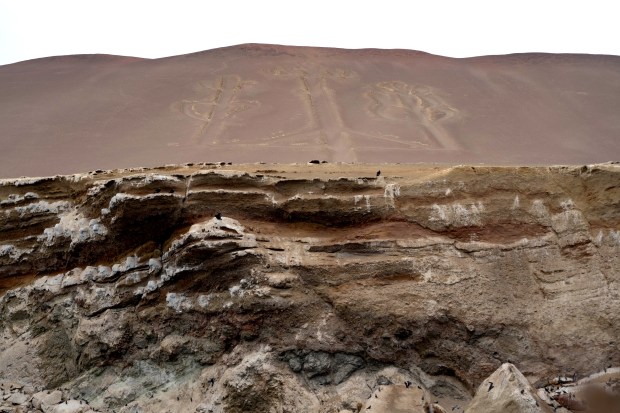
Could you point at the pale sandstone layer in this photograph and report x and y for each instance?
(269, 103)
(321, 287)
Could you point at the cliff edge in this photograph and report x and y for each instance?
(319, 287)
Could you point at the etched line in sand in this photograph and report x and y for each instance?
(326, 122)
(323, 124)
(399, 101)
(325, 113)
(220, 106)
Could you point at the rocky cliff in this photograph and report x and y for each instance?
(322, 288)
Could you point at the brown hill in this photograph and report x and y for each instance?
(253, 103)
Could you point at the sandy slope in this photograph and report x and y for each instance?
(254, 103)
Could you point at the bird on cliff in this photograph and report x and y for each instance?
(378, 173)
(218, 216)
(407, 384)
(490, 385)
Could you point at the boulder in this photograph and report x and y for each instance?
(396, 399)
(46, 398)
(507, 391)
(18, 398)
(69, 406)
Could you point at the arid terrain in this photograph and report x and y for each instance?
(435, 256)
(265, 103)
(322, 288)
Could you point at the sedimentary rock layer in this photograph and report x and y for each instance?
(319, 286)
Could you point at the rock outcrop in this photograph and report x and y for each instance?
(508, 391)
(320, 287)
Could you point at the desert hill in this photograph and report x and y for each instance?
(266, 103)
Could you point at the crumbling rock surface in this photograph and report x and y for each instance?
(321, 287)
(507, 390)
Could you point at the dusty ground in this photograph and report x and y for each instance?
(254, 103)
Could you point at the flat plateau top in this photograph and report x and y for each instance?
(388, 172)
(263, 103)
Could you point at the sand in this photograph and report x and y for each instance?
(263, 103)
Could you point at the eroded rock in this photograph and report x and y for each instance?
(507, 390)
(312, 291)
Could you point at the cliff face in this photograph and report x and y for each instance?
(319, 283)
